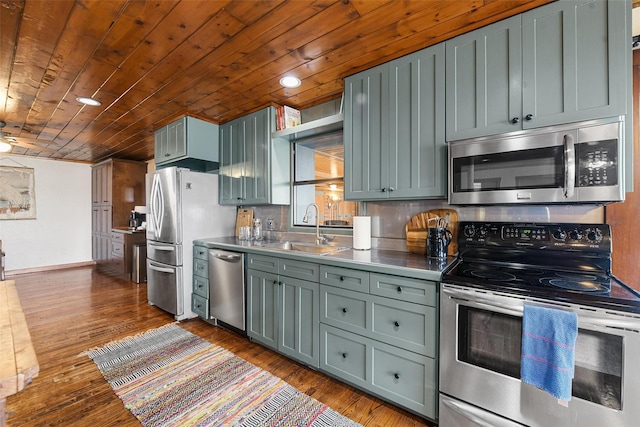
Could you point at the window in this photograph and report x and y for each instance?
(319, 178)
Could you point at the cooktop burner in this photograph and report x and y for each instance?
(569, 262)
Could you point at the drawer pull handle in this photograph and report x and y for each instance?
(342, 278)
(344, 355)
(344, 310)
(399, 289)
(396, 376)
(396, 324)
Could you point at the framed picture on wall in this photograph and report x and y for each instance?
(17, 193)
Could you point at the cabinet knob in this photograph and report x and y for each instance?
(392, 189)
(344, 310)
(167, 154)
(396, 324)
(275, 282)
(344, 355)
(515, 120)
(384, 189)
(399, 289)
(396, 376)
(342, 278)
(528, 117)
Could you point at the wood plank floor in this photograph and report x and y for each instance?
(73, 310)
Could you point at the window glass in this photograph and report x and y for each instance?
(319, 179)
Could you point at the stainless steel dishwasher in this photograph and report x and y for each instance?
(226, 288)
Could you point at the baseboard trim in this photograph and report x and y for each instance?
(48, 268)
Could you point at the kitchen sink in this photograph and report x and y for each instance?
(304, 247)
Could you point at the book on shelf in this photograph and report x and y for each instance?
(287, 117)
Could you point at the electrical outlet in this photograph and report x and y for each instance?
(270, 224)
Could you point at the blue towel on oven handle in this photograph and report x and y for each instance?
(548, 349)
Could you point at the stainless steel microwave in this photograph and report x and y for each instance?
(575, 163)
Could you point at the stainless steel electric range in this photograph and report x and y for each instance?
(500, 268)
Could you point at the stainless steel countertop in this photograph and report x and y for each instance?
(381, 261)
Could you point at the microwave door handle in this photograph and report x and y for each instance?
(569, 167)
(466, 411)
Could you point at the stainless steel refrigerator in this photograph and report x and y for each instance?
(182, 206)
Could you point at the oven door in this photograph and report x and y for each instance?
(480, 350)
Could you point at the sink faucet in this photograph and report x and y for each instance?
(319, 239)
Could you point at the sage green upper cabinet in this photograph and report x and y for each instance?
(394, 129)
(254, 167)
(559, 63)
(188, 142)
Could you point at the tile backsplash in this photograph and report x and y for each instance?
(388, 218)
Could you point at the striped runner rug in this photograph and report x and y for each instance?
(171, 377)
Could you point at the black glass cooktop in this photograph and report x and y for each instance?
(563, 262)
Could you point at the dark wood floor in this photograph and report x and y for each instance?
(71, 311)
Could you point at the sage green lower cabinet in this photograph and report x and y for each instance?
(381, 337)
(200, 291)
(282, 309)
(375, 331)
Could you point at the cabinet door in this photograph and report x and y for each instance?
(176, 139)
(299, 322)
(366, 129)
(262, 307)
(161, 148)
(257, 177)
(484, 87)
(231, 162)
(574, 62)
(417, 147)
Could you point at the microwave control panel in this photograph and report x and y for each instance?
(597, 163)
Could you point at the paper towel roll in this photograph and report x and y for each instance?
(362, 232)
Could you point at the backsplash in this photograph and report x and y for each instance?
(388, 218)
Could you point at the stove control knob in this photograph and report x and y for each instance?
(482, 232)
(559, 234)
(594, 235)
(575, 234)
(469, 230)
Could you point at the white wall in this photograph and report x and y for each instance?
(61, 232)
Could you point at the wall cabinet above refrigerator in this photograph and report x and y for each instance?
(187, 142)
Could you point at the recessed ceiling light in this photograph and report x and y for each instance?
(290, 81)
(88, 101)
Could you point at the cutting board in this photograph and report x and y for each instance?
(244, 217)
(417, 230)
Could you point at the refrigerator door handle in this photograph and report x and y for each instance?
(161, 269)
(157, 205)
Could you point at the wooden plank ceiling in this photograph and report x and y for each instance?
(150, 62)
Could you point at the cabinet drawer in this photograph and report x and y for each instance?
(117, 237)
(300, 270)
(200, 306)
(345, 278)
(267, 264)
(410, 326)
(200, 252)
(117, 249)
(404, 377)
(201, 286)
(201, 268)
(344, 354)
(405, 289)
(344, 309)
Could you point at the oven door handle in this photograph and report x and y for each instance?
(472, 299)
(466, 412)
(585, 318)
